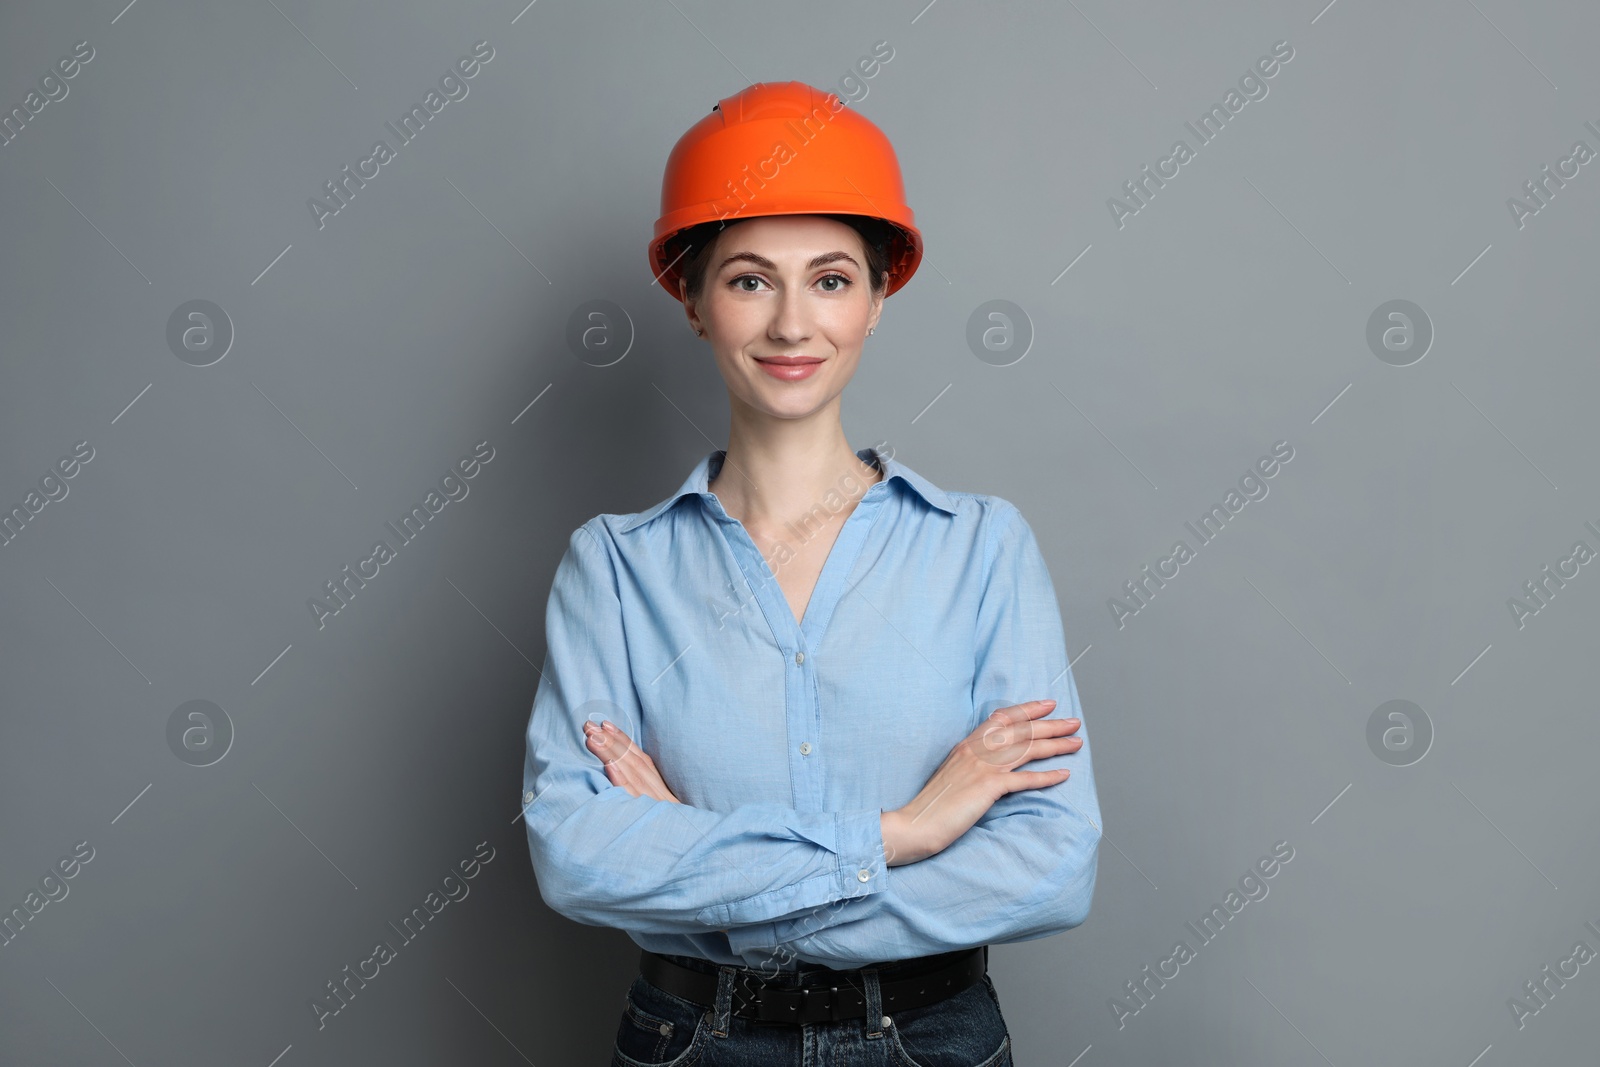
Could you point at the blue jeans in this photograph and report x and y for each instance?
(659, 1029)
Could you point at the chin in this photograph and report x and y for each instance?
(789, 404)
(789, 410)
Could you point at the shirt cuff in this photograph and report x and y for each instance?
(859, 844)
(858, 871)
(862, 867)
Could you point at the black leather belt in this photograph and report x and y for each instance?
(826, 995)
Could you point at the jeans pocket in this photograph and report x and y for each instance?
(963, 1030)
(994, 996)
(658, 1029)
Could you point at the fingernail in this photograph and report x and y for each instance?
(600, 741)
(610, 726)
(1075, 722)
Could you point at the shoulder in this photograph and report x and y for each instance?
(611, 530)
(982, 507)
(596, 538)
(592, 562)
(997, 533)
(591, 551)
(611, 538)
(989, 517)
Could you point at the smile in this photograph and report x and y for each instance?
(790, 369)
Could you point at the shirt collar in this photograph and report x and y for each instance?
(699, 480)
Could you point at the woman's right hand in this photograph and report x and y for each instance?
(977, 773)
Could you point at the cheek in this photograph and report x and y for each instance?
(734, 321)
(845, 325)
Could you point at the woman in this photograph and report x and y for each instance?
(781, 734)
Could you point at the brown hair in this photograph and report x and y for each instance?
(875, 237)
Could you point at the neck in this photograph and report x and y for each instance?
(778, 470)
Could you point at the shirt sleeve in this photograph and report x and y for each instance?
(1027, 868)
(603, 857)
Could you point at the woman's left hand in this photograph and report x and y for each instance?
(626, 764)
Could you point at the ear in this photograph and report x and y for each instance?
(877, 304)
(689, 308)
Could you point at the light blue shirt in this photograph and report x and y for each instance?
(785, 741)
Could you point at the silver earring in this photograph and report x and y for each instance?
(869, 331)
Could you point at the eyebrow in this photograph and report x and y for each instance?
(767, 264)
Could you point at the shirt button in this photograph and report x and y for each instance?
(799, 658)
(863, 874)
(527, 798)
(805, 748)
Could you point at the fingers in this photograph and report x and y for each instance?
(1045, 747)
(1036, 709)
(1022, 722)
(609, 732)
(1035, 779)
(1009, 725)
(1012, 744)
(625, 763)
(608, 742)
(1031, 709)
(1063, 745)
(612, 746)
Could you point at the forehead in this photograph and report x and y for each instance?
(788, 236)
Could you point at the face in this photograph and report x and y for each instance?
(786, 306)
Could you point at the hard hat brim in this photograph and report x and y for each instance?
(905, 246)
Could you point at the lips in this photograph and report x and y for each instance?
(790, 368)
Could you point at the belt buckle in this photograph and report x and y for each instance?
(774, 1005)
(789, 1005)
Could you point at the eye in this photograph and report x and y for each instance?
(843, 281)
(736, 282)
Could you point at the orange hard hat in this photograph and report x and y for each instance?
(782, 148)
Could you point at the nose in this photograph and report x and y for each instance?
(791, 319)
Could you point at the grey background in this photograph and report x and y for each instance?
(1230, 313)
